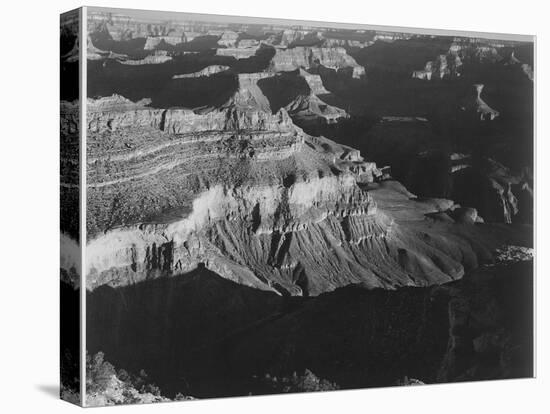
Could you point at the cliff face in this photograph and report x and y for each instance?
(450, 64)
(306, 57)
(250, 195)
(207, 71)
(312, 108)
(237, 52)
(314, 82)
(238, 187)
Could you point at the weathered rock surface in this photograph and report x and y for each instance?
(294, 192)
(237, 52)
(207, 71)
(160, 56)
(314, 82)
(312, 108)
(172, 39)
(306, 57)
(439, 68)
(228, 38)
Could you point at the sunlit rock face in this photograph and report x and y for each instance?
(234, 184)
(207, 71)
(250, 195)
(306, 57)
(475, 104)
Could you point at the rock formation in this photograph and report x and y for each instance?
(477, 105)
(312, 108)
(255, 233)
(438, 68)
(207, 71)
(173, 39)
(237, 52)
(526, 68)
(314, 82)
(306, 57)
(228, 39)
(160, 56)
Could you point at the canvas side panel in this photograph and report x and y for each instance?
(70, 260)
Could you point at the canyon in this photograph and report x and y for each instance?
(291, 208)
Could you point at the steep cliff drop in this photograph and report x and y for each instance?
(258, 201)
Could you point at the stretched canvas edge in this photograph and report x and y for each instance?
(83, 98)
(222, 18)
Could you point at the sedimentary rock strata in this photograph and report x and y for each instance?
(238, 53)
(155, 59)
(306, 57)
(314, 82)
(207, 71)
(293, 191)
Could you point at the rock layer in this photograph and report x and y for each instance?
(298, 222)
(306, 57)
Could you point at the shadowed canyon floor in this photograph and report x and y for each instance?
(205, 336)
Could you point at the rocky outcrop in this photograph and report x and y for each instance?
(256, 236)
(290, 36)
(160, 56)
(152, 42)
(247, 43)
(307, 57)
(314, 82)
(247, 109)
(438, 68)
(461, 51)
(228, 39)
(475, 104)
(526, 68)
(385, 36)
(500, 194)
(293, 192)
(207, 71)
(249, 95)
(444, 66)
(312, 108)
(301, 100)
(237, 52)
(107, 386)
(332, 42)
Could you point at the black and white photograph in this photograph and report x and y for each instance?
(275, 207)
(288, 207)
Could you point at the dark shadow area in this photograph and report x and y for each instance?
(155, 82)
(282, 89)
(69, 339)
(202, 335)
(401, 57)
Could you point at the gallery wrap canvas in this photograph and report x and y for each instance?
(257, 206)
